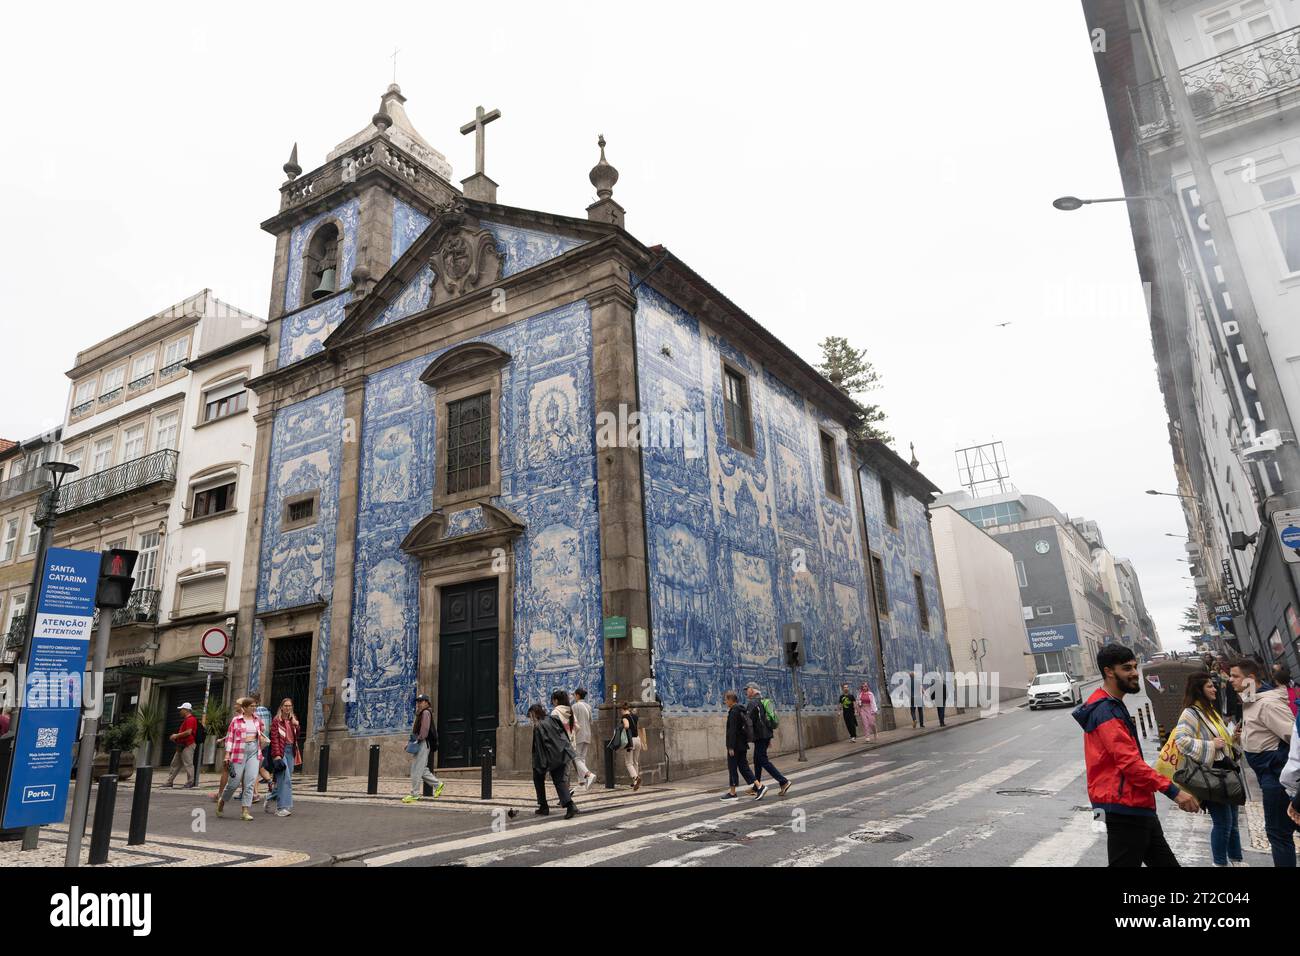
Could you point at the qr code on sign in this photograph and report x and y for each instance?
(47, 737)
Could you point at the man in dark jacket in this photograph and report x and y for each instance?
(739, 733)
(757, 713)
(551, 754)
(1120, 782)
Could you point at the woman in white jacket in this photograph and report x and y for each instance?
(1201, 736)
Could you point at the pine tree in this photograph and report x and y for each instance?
(848, 369)
(1191, 621)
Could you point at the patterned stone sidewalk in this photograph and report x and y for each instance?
(167, 851)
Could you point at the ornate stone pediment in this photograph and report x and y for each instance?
(467, 360)
(463, 259)
(480, 524)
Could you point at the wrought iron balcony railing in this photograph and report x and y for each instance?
(112, 396)
(17, 628)
(144, 381)
(141, 608)
(78, 410)
(1247, 74)
(160, 466)
(28, 481)
(168, 370)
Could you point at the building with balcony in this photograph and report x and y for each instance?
(22, 481)
(159, 423)
(1239, 63)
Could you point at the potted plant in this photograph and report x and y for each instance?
(216, 719)
(148, 721)
(121, 737)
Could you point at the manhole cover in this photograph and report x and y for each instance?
(879, 836)
(1024, 792)
(707, 836)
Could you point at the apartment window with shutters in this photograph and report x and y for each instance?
(176, 351)
(146, 566)
(133, 443)
(84, 393)
(224, 400)
(878, 585)
(113, 380)
(469, 443)
(922, 610)
(142, 367)
(17, 607)
(201, 593)
(103, 455)
(735, 401)
(10, 542)
(830, 464)
(891, 507)
(33, 536)
(164, 431)
(77, 457)
(219, 498)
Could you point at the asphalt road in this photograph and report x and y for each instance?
(1005, 791)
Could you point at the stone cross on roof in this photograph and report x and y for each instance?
(481, 119)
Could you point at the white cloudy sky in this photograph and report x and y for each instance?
(865, 170)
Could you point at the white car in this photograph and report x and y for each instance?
(1049, 689)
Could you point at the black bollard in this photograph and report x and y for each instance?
(1142, 723)
(372, 781)
(323, 769)
(114, 760)
(486, 790)
(105, 799)
(609, 768)
(140, 806)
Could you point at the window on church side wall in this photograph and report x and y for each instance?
(830, 465)
(469, 443)
(299, 511)
(878, 585)
(922, 611)
(735, 399)
(320, 271)
(891, 508)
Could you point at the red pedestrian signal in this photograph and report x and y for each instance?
(115, 581)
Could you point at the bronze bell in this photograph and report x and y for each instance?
(326, 285)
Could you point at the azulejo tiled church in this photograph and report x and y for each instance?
(435, 508)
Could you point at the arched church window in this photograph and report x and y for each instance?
(321, 264)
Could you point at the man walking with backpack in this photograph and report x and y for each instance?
(739, 733)
(762, 715)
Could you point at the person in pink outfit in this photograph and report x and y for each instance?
(867, 710)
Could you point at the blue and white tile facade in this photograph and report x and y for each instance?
(297, 567)
(525, 248)
(413, 298)
(408, 223)
(548, 480)
(904, 550)
(739, 544)
(303, 333)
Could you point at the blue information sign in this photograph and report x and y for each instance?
(1291, 536)
(1044, 639)
(41, 769)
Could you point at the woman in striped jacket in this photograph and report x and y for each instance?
(244, 742)
(1202, 736)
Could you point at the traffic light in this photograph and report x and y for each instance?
(115, 580)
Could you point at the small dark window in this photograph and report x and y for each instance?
(878, 585)
(213, 501)
(469, 443)
(923, 612)
(735, 399)
(215, 408)
(887, 495)
(830, 465)
(300, 511)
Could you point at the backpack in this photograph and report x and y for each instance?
(769, 713)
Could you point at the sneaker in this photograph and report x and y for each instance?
(168, 785)
(283, 813)
(572, 812)
(784, 787)
(410, 798)
(437, 791)
(542, 812)
(588, 781)
(1238, 863)
(636, 784)
(245, 815)
(728, 796)
(853, 740)
(760, 793)
(221, 805)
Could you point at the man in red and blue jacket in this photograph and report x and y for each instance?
(1120, 782)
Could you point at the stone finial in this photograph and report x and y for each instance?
(291, 168)
(914, 463)
(603, 176)
(382, 120)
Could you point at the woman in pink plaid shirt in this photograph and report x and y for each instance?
(244, 742)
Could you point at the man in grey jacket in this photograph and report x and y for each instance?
(1266, 739)
(582, 737)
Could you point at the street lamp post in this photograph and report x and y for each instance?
(47, 509)
(1170, 494)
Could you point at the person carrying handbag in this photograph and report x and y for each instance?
(1208, 767)
(421, 746)
(286, 757)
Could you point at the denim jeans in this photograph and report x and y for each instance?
(244, 772)
(420, 770)
(1225, 838)
(1277, 825)
(284, 781)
